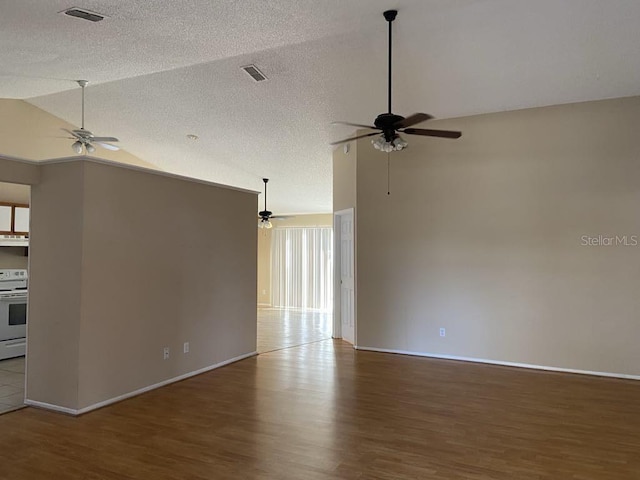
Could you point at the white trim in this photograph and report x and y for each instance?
(337, 321)
(18, 159)
(140, 390)
(501, 363)
(337, 267)
(50, 406)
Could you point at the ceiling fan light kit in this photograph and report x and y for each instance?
(264, 224)
(389, 125)
(395, 145)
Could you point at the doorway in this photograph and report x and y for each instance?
(345, 307)
(14, 232)
(295, 282)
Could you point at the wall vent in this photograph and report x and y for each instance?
(254, 73)
(84, 14)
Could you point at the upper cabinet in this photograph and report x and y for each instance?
(14, 219)
(21, 220)
(6, 216)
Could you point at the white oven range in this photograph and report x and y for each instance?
(13, 312)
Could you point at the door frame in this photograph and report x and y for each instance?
(337, 248)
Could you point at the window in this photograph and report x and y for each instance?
(302, 268)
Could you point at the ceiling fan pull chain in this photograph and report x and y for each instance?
(388, 173)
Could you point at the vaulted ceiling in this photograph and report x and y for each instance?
(163, 69)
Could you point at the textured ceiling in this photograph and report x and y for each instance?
(163, 69)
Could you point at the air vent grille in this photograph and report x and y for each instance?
(254, 73)
(84, 14)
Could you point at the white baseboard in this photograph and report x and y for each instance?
(504, 364)
(49, 406)
(119, 398)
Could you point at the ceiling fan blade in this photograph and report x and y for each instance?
(432, 133)
(104, 139)
(354, 138)
(412, 120)
(282, 217)
(70, 132)
(355, 125)
(108, 146)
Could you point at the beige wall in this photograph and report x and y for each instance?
(13, 257)
(264, 267)
(19, 172)
(153, 263)
(482, 236)
(344, 176)
(264, 248)
(55, 285)
(29, 132)
(13, 193)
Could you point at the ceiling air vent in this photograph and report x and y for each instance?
(254, 73)
(82, 13)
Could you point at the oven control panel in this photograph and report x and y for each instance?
(13, 274)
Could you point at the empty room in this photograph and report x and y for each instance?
(320, 240)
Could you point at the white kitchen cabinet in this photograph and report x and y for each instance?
(6, 211)
(21, 220)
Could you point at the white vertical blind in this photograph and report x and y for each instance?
(302, 268)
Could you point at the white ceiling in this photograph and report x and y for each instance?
(162, 69)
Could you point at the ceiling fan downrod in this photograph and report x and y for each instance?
(390, 16)
(265, 214)
(265, 180)
(83, 84)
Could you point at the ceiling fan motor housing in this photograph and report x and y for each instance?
(386, 122)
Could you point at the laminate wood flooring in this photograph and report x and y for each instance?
(282, 328)
(325, 411)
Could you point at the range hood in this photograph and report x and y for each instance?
(14, 241)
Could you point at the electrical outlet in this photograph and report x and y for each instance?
(166, 353)
(185, 347)
(443, 332)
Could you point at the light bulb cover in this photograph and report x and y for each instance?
(398, 143)
(268, 224)
(90, 148)
(77, 147)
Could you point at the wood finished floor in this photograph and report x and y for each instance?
(325, 411)
(282, 328)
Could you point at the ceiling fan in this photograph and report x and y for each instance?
(84, 138)
(391, 124)
(265, 216)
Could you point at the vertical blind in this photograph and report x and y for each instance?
(302, 268)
